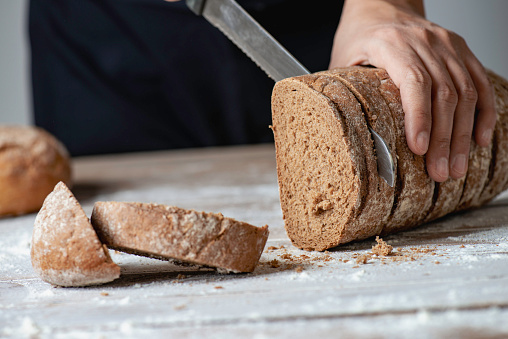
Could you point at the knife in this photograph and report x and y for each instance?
(271, 57)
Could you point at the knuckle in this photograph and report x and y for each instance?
(417, 77)
(468, 93)
(446, 92)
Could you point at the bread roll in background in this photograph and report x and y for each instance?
(32, 162)
(326, 185)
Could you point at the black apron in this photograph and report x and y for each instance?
(115, 76)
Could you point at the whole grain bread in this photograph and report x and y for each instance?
(321, 135)
(65, 249)
(168, 232)
(32, 162)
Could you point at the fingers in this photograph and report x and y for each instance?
(486, 108)
(441, 89)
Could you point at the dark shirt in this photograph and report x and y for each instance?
(115, 76)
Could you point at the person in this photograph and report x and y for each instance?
(116, 76)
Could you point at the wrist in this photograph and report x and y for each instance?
(411, 7)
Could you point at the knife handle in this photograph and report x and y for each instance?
(196, 6)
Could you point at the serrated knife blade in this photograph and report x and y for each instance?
(249, 36)
(272, 57)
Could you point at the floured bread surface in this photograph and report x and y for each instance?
(32, 162)
(65, 249)
(168, 232)
(320, 164)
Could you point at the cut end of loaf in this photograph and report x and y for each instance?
(319, 178)
(65, 249)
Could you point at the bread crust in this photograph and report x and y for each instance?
(65, 249)
(498, 172)
(169, 232)
(32, 162)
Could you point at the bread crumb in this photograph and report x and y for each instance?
(180, 277)
(104, 294)
(363, 259)
(299, 269)
(382, 248)
(218, 287)
(274, 263)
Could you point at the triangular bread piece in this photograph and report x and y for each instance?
(169, 232)
(65, 248)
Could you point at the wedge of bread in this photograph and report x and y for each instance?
(168, 232)
(65, 249)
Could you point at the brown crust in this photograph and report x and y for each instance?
(170, 232)
(446, 198)
(32, 163)
(65, 249)
(477, 175)
(315, 148)
(498, 172)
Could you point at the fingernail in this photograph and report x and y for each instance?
(422, 141)
(442, 167)
(459, 164)
(487, 136)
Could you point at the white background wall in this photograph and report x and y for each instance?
(482, 23)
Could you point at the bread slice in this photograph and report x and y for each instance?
(477, 175)
(65, 249)
(168, 232)
(319, 129)
(363, 85)
(415, 190)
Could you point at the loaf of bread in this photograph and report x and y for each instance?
(330, 190)
(32, 162)
(168, 232)
(65, 249)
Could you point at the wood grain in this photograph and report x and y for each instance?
(446, 278)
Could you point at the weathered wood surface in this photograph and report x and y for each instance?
(447, 279)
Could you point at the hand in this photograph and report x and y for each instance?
(442, 84)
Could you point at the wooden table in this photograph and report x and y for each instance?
(447, 279)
